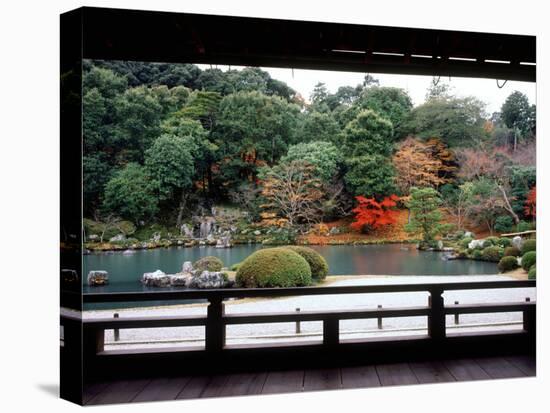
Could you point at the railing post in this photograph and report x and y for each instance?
(457, 320)
(436, 319)
(530, 319)
(379, 318)
(94, 340)
(331, 332)
(215, 328)
(116, 331)
(298, 326)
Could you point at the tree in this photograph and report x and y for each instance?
(291, 190)
(519, 115)
(415, 166)
(488, 203)
(129, 194)
(438, 90)
(370, 175)
(459, 202)
(367, 148)
(317, 126)
(253, 128)
(457, 121)
(367, 134)
(323, 156)
(372, 214)
(426, 217)
(531, 203)
(391, 103)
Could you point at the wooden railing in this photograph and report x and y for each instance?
(215, 320)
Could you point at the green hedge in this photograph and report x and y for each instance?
(508, 263)
(532, 274)
(504, 242)
(208, 263)
(274, 267)
(528, 260)
(317, 263)
(529, 245)
(465, 242)
(512, 252)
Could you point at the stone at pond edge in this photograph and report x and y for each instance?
(208, 279)
(98, 278)
(156, 279)
(187, 267)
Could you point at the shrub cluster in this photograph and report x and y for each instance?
(528, 260)
(507, 263)
(523, 226)
(512, 252)
(532, 274)
(274, 267)
(529, 245)
(317, 263)
(465, 242)
(493, 253)
(209, 263)
(504, 242)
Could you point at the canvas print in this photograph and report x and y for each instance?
(256, 229)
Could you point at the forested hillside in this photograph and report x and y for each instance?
(165, 142)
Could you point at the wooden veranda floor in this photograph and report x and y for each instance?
(190, 387)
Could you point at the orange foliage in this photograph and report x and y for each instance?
(373, 213)
(530, 208)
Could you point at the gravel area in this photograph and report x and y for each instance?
(261, 333)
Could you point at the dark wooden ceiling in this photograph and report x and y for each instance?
(117, 34)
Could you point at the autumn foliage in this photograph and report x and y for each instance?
(374, 214)
(531, 203)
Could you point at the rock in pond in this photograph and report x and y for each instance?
(187, 267)
(156, 279)
(96, 278)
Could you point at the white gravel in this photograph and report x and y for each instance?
(261, 333)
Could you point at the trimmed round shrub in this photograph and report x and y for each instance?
(317, 263)
(493, 253)
(528, 260)
(208, 263)
(465, 242)
(529, 245)
(476, 254)
(532, 274)
(512, 252)
(504, 223)
(504, 242)
(490, 241)
(274, 267)
(507, 263)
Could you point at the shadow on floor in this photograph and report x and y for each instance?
(51, 389)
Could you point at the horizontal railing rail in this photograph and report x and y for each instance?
(216, 320)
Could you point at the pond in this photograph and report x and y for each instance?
(125, 271)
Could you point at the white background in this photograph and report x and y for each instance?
(29, 193)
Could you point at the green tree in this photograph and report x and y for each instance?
(391, 103)
(426, 217)
(317, 126)
(130, 195)
(457, 121)
(253, 129)
(370, 175)
(519, 115)
(368, 133)
(323, 156)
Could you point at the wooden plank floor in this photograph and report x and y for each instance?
(187, 387)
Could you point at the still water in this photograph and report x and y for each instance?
(125, 271)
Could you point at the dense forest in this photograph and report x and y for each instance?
(165, 142)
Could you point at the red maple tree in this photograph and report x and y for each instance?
(369, 212)
(530, 208)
